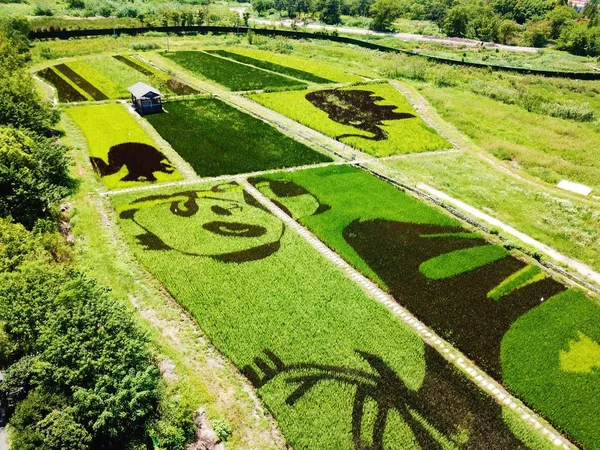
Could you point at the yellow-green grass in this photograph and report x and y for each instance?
(410, 135)
(315, 67)
(546, 147)
(293, 303)
(569, 224)
(108, 125)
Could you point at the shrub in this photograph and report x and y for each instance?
(42, 9)
(144, 46)
(222, 429)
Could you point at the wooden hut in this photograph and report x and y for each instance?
(145, 99)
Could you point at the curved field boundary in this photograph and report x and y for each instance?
(67, 34)
(455, 357)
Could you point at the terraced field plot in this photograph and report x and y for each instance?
(522, 327)
(374, 118)
(107, 77)
(120, 150)
(233, 75)
(217, 139)
(317, 349)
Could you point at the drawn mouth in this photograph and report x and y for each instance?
(235, 229)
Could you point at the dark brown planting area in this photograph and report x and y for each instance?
(448, 402)
(66, 93)
(141, 160)
(458, 307)
(81, 82)
(356, 108)
(133, 65)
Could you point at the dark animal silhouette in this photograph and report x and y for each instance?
(457, 307)
(141, 160)
(445, 401)
(356, 108)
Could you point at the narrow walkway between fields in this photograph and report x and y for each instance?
(455, 357)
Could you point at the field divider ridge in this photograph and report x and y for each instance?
(487, 384)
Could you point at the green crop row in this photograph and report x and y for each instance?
(235, 76)
(217, 139)
(320, 352)
(107, 126)
(362, 122)
(517, 335)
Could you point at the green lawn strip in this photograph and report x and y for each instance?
(66, 92)
(103, 81)
(230, 74)
(460, 261)
(81, 82)
(564, 222)
(320, 69)
(411, 135)
(528, 274)
(551, 149)
(294, 304)
(300, 74)
(105, 126)
(532, 351)
(217, 139)
(137, 65)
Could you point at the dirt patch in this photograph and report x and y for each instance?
(457, 409)
(181, 88)
(81, 82)
(66, 93)
(356, 108)
(141, 160)
(457, 307)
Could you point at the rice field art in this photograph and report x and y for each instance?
(318, 350)
(520, 325)
(120, 150)
(373, 118)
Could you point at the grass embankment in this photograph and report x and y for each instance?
(196, 375)
(233, 75)
(564, 222)
(360, 122)
(393, 238)
(107, 126)
(307, 337)
(217, 139)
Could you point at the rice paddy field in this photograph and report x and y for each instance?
(107, 77)
(335, 368)
(120, 150)
(318, 350)
(231, 74)
(374, 118)
(217, 139)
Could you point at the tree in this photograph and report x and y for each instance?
(261, 6)
(536, 34)
(484, 24)
(590, 10)
(331, 11)
(507, 31)
(558, 18)
(456, 22)
(384, 12)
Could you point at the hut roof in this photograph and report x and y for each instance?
(142, 90)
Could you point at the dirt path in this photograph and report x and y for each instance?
(407, 37)
(448, 352)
